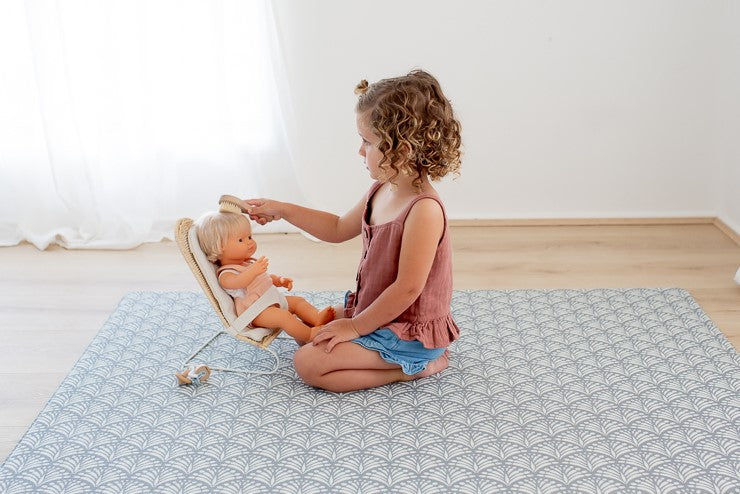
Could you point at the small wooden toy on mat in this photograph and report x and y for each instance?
(193, 374)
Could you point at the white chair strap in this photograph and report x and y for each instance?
(239, 325)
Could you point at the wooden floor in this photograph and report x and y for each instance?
(53, 303)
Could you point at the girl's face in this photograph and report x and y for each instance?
(240, 246)
(369, 148)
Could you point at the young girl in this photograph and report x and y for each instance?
(226, 240)
(397, 324)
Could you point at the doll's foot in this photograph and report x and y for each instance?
(326, 316)
(437, 365)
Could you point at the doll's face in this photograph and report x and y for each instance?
(240, 246)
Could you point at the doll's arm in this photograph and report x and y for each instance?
(244, 278)
(282, 281)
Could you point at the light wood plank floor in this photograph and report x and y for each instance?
(53, 303)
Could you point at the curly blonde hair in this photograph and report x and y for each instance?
(213, 230)
(417, 127)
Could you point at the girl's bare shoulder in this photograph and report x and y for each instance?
(426, 211)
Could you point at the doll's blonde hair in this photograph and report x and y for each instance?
(417, 127)
(213, 230)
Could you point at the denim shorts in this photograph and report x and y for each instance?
(410, 355)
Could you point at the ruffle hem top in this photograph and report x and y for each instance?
(428, 319)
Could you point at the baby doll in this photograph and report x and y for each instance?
(226, 239)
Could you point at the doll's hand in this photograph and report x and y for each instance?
(259, 266)
(286, 282)
(337, 331)
(263, 211)
(282, 281)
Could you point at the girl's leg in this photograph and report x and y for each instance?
(347, 367)
(275, 317)
(308, 313)
(350, 366)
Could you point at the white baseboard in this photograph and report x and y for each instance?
(730, 229)
(683, 220)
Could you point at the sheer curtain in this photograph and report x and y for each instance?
(118, 117)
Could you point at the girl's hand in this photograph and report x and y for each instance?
(259, 266)
(337, 331)
(264, 211)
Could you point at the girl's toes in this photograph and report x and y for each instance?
(437, 365)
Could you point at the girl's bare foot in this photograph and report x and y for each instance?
(326, 316)
(437, 365)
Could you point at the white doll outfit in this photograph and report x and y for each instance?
(260, 292)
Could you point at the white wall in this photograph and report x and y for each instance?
(728, 144)
(569, 109)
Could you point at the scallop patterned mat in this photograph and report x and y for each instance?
(547, 391)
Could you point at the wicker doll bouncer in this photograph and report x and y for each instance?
(236, 326)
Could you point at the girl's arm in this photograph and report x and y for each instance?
(422, 232)
(322, 225)
(242, 280)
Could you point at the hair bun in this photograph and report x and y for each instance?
(361, 88)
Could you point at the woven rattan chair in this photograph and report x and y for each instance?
(236, 326)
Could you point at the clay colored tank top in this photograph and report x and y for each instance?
(428, 319)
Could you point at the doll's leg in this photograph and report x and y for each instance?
(275, 317)
(350, 366)
(308, 313)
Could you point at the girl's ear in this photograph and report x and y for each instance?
(405, 151)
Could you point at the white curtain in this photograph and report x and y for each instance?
(119, 116)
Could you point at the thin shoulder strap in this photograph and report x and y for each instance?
(404, 214)
(228, 267)
(373, 189)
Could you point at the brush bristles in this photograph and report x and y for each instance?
(229, 207)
